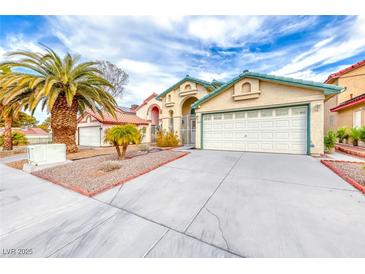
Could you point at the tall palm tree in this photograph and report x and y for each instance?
(65, 86)
(122, 136)
(9, 110)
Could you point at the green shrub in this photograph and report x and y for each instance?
(167, 139)
(329, 141)
(342, 134)
(19, 139)
(355, 134)
(362, 133)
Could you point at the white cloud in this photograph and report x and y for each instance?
(328, 51)
(225, 31)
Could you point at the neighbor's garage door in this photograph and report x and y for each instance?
(280, 130)
(89, 136)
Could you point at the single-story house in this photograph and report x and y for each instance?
(251, 112)
(346, 109)
(91, 126)
(34, 135)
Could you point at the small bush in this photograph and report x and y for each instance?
(355, 134)
(110, 165)
(342, 134)
(19, 139)
(167, 139)
(144, 147)
(362, 133)
(329, 141)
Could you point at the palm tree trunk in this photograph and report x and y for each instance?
(64, 123)
(124, 150)
(8, 138)
(118, 151)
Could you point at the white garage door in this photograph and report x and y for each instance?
(89, 136)
(280, 130)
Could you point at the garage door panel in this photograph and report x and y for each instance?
(272, 130)
(267, 124)
(298, 123)
(282, 123)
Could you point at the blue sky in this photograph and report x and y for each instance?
(158, 51)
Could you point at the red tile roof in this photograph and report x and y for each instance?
(34, 131)
(153, 95)
(122, 117)
(354, 101)
(337, 74)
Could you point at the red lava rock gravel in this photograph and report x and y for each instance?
(85, 177)
(352, 170)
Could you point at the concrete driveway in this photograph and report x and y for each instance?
(207, 204)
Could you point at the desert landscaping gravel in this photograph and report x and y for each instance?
(85, 176)
(352, 170)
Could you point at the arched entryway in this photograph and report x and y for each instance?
(188, 122)
(155, 121)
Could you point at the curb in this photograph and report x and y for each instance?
(351, 152)
(107, 187)
(348, 179)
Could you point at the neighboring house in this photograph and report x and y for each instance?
(91, 126)
(150, 110)
(34, 135)
(346, 109)
(251, 112)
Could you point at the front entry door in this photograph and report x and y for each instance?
(188, 129)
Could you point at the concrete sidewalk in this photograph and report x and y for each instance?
(207, 204)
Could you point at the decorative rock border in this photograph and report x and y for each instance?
(339, 172)
(107, 187)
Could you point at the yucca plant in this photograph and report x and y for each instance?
(329, 141)
(342, 134)
(355, 134)
(65, 86)
(122, 136)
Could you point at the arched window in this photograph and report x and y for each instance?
(187, 87)
(246, 88)
(169, 98)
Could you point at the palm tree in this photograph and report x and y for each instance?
(9, 110)
(65, 86)
(122, 136)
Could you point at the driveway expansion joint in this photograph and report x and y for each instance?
(170, 228)
(155, 244)
(219, 185)
(82, 235)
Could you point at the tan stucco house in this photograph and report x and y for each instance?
(91, 126)
(346, 109)
(251, 112)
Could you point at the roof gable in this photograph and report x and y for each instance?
(145, 101)
(326, 88)
(210, 86)
(338, 74)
